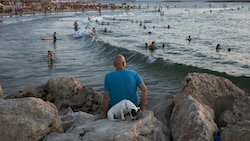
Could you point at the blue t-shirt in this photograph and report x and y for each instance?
(122, 85)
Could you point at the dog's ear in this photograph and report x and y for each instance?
(138, 109)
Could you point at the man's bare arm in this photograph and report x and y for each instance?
(144, 94)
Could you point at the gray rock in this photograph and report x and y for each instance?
(236, 132)
(27, 119)
(226, 117)
(202, 102)
(146, 128)
(192, 120)
(65, 92)
(162, 107)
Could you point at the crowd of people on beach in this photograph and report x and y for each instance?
(19, 8)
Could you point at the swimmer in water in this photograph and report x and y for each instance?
(94, 30)
(75, 25)
(146, 45)
(51, 58)
(218, 47)
(51, 55)
(105, 29)
(54, 36)
(189, 38)
(152, 47)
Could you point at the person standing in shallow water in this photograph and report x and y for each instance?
(54, 37)
(75, 25)
(51, 55)
(122, 84)
(152, 47)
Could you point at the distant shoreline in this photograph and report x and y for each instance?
(209, 1)
(40, 12)
(10, 10)
(228, 1)
(87, 7)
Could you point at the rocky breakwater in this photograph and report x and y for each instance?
(64, 109)
(207, 107)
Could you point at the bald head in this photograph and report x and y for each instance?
(119, 62)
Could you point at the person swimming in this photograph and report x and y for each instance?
(105, 29)
(94, 31)
(152, 47)
(218, 47)
(146, 45)
(140, 24)
(189, 38)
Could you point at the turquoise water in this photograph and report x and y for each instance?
(24, 61)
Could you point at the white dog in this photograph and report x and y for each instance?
(121, 108)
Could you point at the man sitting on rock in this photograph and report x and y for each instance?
(122, 84)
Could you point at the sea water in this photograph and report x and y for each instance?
(24, 61)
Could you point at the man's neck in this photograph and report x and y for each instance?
(119, 69)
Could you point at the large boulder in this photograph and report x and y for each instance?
(27, 119)
(162, 107)
(218, 93)
(65, 92)
(204, 100)
(192, 120)
(146, 128)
